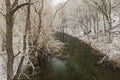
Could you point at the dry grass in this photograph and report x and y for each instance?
(48, 40)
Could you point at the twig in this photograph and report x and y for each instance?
(2, 14)
(57, 12)
(17, 54)
(29, 61)
(101, 61)
(26, 75)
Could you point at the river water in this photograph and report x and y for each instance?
(81, 64)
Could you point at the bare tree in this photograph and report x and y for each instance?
(105, 7)
(26, 33)
(39, 12)
(10, 11)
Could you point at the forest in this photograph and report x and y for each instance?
(59, 39)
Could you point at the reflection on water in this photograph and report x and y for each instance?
(79, 66)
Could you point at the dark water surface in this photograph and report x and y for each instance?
(79, 66)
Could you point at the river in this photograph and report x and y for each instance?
(81, 64)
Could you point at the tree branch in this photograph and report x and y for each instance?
(17, 54)
(40, 10)
(19, 69)
(15, 3)
(18, 7)
(2, 13)
(57, 12)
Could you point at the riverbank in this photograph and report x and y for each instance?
(109, 51)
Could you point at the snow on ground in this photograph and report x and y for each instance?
(2, 68)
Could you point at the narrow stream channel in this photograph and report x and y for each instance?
(81, 64)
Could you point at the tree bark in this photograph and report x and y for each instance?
(28, 25)
(9, 40)
(9, 47)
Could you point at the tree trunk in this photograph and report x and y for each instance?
(104, 25)
(9, 47)
(9, 40)
(28, 25)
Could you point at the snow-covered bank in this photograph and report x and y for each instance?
(110, 50)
